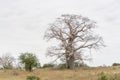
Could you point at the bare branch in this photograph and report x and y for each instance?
(74, 33)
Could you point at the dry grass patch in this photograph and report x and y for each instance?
(51, 74)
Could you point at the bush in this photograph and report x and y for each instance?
(77, 65)
(48, 65)
(61, 66)
(104, 77)
(116, 64)
(32, 78)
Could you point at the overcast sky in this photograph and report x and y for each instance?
(23, 23)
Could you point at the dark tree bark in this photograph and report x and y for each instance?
(30, 68)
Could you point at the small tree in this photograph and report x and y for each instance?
(29, 60)
(6, 61)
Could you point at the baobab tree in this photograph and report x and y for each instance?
(74, 34)
(29, 60)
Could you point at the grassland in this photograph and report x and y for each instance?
(52, 74)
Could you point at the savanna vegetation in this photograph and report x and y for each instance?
(75, 36)
(98, 73)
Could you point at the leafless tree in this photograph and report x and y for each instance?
(6, 61)
(74, 34)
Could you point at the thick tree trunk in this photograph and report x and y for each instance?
(70, 63)
(30, 68)
(70, 53)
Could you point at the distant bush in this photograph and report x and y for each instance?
(116, 64)
(77, 65)
(48, 65)
(32, 78)
(61, 66)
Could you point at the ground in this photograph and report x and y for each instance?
(52, 74)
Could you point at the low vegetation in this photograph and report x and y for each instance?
(48, 65)
(104, 76)
(98, 73)
(32, 78)
(116, 64)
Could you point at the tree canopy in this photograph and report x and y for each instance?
(29, 60)
(74, 34)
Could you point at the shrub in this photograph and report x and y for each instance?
(116, 64)
(32, 78)
(77, 65)
(61, 66)
(48, 65)
(104, 77)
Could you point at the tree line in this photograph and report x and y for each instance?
(28, 62)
